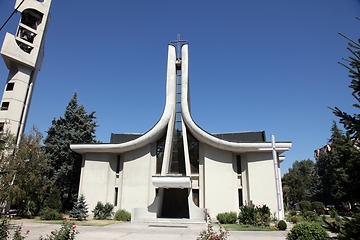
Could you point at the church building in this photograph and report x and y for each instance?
(178, 170)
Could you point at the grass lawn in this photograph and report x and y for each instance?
(87, 222)
(242, 227)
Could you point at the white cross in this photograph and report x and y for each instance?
(276, 169)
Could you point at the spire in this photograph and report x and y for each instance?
(178, 41)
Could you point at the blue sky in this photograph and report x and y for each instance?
(254, 65)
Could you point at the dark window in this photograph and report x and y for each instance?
(2, 127)
(238, 164)
(4, 106)
(195, 193)
(160, 153)
(116, 196)
(31, 18)
(240, 197)
(118, 164)
(193, 145)
(10, 86)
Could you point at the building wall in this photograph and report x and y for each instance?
(261, 180)
(220, 181)
(97, 181)
(137, 190)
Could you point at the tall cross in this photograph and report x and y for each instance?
(276, 170)
(178, 41)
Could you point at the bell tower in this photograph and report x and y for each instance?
(23, 54)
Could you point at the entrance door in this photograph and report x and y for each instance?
(175, 203)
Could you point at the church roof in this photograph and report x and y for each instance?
(231, 137)
(124, 137)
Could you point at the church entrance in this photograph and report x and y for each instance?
(175, 203)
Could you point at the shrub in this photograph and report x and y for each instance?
(293, 212)
(50, 214)
(102, 211)
(122, 215)
(66, 232)
(307, 231)
(333, 213)
(18, 234)
(305, 206)
(294, 219)
(349, 228)
(310, 216)
(255, 215)
(282, 225)
(28, 209)
(227, 217)
(318, 207)
(4, 227)
(80, 209)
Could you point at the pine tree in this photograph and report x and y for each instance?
(348, 150)
(75, 127)
(80, 209)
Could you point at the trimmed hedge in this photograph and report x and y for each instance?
(122, 215)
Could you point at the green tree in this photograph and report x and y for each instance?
(75, 127)
(25, 181)
(331, 166)
(349, 154)
(297, 181)
(80, 209)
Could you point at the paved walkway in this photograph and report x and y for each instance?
(137, 231)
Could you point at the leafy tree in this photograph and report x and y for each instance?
(297, 181)
(76, 126)
(332, 168)
(25, 181)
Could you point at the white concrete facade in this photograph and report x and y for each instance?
(176, 169)
(23, 54)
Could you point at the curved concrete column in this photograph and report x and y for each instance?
(202, 135)
(157, 131)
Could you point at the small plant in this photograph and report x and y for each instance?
(333, 213)
(348, 228)
(318, 207)
(227, 217)
(293, 212)
(210, 233)
(18, 235)
(4, 228)
(255, 215)
(102, 211)
(282, 225)
(50, 214)
(66, 232)
(310, 216)
(122, 215)
(294, 219)
(305, 206)
(307, 231)
(28, 209)
(5, 233)
(80, 209)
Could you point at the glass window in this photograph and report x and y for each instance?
(4, 106)
(160, 153)
(193, 145)
(10, 86)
